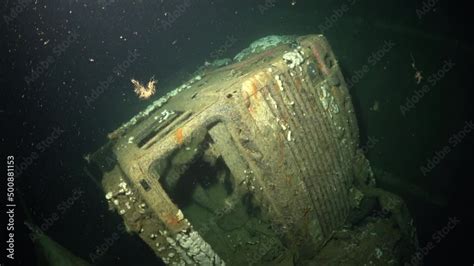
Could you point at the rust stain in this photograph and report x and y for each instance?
(179, 135)
(320, 60)
(254, 89)
(172, 221)
(250, 89)
(245, 97)
(298, 84)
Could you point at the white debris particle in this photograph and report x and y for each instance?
(378, 253)
(108, 195)
(280, 84)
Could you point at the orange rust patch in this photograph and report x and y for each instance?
(254, 89)
(172, 220)
(320, 60)
(179, 136)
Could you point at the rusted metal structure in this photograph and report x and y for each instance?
(242, 164)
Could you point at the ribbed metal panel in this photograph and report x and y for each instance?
(315, 151)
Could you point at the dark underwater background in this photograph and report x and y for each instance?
(57, 55)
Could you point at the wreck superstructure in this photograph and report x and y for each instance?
(242, 164)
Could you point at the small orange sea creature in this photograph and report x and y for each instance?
(142, 91)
